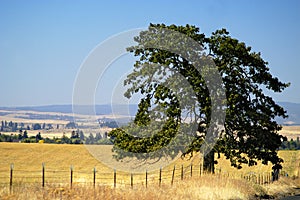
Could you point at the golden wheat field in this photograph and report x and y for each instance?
(291, 132)
(227, 183)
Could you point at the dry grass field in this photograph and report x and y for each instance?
(290, 165)
(290, 131)
(24, 116)
(28, 159)
(206, 188)
(227, 183)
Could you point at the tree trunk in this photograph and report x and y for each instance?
(275, 175)
(208, 162)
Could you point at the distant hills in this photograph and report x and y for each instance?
(293, 110)
(104, 109)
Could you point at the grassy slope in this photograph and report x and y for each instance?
(290, 131)
(60, 157)
(29, 157)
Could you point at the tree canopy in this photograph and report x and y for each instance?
(174, 90)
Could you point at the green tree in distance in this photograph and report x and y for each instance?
(249, 133)
(25, 134)
(71, 125)
(37, 126)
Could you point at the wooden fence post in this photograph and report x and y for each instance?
(200, 169)
(94, 177)
(71, 176)
(131, 180)
(298, 173)
(115, 178)
(173, 174)
(181, 172)
(191, 169)
(259, 179)
(146, 178)
(11, 178)
(43, 174)
(266, 178)
(160, 169)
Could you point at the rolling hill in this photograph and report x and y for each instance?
(293, 110)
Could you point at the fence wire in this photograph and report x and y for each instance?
(15, 178)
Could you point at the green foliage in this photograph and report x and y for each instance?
(75, 134)
(250, 132)
(38, 137)
(109, 124)
(291, 144)
(25, 134)
(77, 137)
(9, 127)
(8, 138)
(71, 125)
(104, 141)
(37, 126)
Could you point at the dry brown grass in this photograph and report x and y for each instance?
(22, 116)
(291, 165)
(290, 131)
(206, 187)
(61, 157)
(282, 187)
(58, 158)
(29, 157)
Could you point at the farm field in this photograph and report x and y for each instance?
(28, 159)
(207, 188)
(57, 159)
(87, 123)
(56, 118)
(290, 131)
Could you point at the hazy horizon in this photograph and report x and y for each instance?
(44, 44)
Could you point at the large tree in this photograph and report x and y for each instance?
(249, 132)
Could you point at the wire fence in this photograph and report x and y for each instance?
(14, 178)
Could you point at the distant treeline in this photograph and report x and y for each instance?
(14, 126)
(77, 137)
(291, 144)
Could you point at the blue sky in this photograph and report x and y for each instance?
(44, 43)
